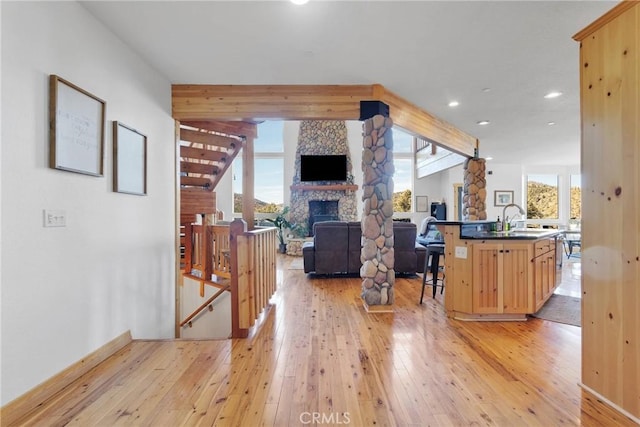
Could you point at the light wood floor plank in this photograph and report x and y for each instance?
(318, 353)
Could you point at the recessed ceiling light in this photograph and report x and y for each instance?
(299, 2)
(489, 158)
(552, 95)
(486, 89)
(454, 104)
(483, 122)
(551, 123)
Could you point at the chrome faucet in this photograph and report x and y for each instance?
(504, 210)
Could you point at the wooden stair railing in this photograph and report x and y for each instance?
(220, 257)
(206, 254)
(207, 150)
(253, 274)
(242, 262)
(208, 303)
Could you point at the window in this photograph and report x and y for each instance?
(270, 138)
(542, 196)
(268, 170)
(403, 174)
(575, 194)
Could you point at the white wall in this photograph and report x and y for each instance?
(505, 177)
(215, 324)
(68, 291)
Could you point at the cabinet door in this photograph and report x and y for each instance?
(487, 274)
(544, 277)
(538, 282)
(516, 278)
(549, 274)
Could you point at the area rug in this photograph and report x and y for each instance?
(296, 264)
(561, 309)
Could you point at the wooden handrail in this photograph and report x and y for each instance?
(253, 274)
(204, 305)
(246, 258)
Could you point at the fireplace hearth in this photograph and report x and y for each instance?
(322, 210)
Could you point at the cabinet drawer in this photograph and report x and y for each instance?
(543, 246)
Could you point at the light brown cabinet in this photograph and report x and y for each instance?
(544, 272)
(502, 277)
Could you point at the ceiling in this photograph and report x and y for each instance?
(496, 58)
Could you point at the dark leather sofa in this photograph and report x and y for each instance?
(335, 249)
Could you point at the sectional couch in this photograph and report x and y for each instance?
(335, 249)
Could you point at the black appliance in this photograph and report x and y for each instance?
(323, 167)
(439, 211)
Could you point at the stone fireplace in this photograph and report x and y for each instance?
(322, 210)
(322, 201)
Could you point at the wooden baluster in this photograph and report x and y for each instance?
(237, 228)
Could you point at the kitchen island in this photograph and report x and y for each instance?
(497, 275)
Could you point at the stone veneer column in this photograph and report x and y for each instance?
(474, 207)
(377, 254)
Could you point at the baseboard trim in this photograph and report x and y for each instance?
(606, 401)
(490, 317)
(374, 309)
(18, 408)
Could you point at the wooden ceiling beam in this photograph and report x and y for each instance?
(422, 124)
(191, 103)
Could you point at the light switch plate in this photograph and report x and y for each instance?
(55, 218)
(461, 252)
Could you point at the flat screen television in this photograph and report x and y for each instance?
(323, 167)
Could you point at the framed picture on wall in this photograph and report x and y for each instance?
(421, 204)
(129, 160)
(76, 123)
(502, 197)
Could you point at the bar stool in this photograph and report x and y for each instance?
(433, 253)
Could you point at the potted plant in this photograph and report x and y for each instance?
(281, 223)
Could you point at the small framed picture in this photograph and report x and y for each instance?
(129, 160)
(502, 197)
(421, 204)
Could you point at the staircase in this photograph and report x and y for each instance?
(227, 269)
(207, 150)
(205, 155)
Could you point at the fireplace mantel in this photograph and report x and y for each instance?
(327, 187)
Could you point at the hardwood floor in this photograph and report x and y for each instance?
(318, 358)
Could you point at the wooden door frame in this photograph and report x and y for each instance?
(456, 208)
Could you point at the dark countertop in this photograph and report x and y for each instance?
(480, 230)
(525, 234)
